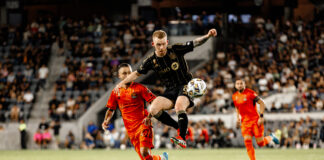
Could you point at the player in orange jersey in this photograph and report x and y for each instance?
(251, 121)
(131, 102)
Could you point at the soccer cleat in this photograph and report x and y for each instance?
(274, 138)
(178, 141)
(164, 156)
(187, 133)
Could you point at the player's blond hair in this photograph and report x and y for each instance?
(159, 34)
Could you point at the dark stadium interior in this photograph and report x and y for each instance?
(276, 46)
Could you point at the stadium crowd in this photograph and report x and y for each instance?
(24, 54)
(302, 134)
(271, 58)
(93, 50)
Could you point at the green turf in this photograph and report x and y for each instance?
(187, 154)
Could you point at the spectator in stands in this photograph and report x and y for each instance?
(2, 113)
(52, 111)
(56, 126)
(46, 138)
(203, 139)
(70, 108)
(92, 129)
(42, 75)
(69, 141)
(28, 97)
(322, 134)
(298, 107)
(43, 125)
(53, 105)
(88, 142)
(215, 136)
(99, 142)
(14, 113)
(38, 138)
(61, 111)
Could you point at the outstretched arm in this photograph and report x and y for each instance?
(108, 116)
(201, 40)
(130, 78)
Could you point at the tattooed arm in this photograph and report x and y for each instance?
(201, 40)
(108, 116)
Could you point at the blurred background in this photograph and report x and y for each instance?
(58, 61)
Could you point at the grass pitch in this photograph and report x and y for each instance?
(186, 154)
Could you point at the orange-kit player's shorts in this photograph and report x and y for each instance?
(142, 138)
(252, 129)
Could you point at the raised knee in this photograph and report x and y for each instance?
(180, 107)
(182, 104)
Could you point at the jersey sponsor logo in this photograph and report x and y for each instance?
(175, 66)
(134, 95)
(164, 70)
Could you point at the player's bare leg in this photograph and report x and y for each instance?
(146, 154)
(249, 146)
(157, 110)
(181, 105)
(258, 131)
(263, 141)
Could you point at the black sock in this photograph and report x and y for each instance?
(166, 119)
(183, 124)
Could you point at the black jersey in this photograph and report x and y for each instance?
(172, 69)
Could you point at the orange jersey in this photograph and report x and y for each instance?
(131, 102)
(245, 102)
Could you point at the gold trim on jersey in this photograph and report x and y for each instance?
(155, 64)
(175, 66)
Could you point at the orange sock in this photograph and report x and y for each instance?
(249, 148)
(265, 141)
(152, 157)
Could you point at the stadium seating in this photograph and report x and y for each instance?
(22, 54)
(96, 49)
(273, 59)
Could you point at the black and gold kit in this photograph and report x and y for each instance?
(171, 69)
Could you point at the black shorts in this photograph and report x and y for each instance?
(173, 93)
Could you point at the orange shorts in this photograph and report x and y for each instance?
(142, 138)
(252, 129)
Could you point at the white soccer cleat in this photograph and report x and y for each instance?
(274, 138)
(164, 156)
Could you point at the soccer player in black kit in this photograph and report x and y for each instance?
(171, 68)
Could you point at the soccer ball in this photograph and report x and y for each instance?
(196, 88)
